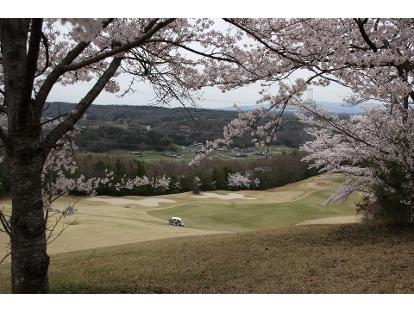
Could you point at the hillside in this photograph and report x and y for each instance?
(303, 259)
(132, 127)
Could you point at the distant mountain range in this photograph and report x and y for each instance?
(333, 107)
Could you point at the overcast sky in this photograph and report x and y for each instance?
(212, 97)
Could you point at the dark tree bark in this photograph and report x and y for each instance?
(27, 150)
(25, 156)
(28, 240)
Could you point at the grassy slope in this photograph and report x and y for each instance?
(101, 224)
(275, 208)
(308, 259)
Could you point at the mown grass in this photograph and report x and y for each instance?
(102, 224)
(308, 259)
(241, 217)
(265, 212)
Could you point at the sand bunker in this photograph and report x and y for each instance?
(148, 202)
(333, 220)
(228, 196)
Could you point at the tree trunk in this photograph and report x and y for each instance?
(25, 156)
(28, 240)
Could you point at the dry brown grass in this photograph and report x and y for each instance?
(309, 259)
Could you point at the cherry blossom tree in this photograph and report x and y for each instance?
(237, 180)
(375, 151)
(160, 184)
(373, 58)
(240, 181)
(37, 54)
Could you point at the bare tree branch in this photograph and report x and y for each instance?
(5, 257)
(5, 223)
(364, 34)
(53, 119)
(31, 59)
(58, 71)
(46, 45)
(73, 117)
(228, 58)
(259, 39)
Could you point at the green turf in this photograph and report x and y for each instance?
(242, 215)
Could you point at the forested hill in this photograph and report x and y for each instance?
(132, 127)
(134, 114)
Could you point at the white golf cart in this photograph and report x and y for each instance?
(176, 221)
